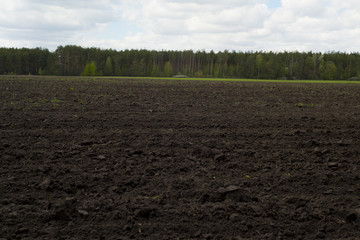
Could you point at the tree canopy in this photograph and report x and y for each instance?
(74, 61)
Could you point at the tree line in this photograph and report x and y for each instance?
(76, 60)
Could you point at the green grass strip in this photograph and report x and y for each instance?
(20, 77)
(239, 80)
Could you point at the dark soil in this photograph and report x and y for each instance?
(159, 159)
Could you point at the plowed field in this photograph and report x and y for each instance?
(160, 159)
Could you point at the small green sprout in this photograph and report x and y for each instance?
(304, 105)
(55, 100)
(81, 101)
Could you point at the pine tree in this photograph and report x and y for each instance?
(108, 67)
(155, 71)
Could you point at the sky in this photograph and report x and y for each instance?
(234, 25)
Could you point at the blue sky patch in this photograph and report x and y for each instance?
(274, 3)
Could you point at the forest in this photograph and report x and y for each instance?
(75, 61)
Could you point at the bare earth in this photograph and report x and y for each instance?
(159, 159)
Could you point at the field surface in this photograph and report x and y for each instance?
(160, 159)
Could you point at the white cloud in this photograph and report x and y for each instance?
(161, 16)
(52, 22)
(318, 25)
(306, 25)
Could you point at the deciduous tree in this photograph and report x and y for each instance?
(90, 69)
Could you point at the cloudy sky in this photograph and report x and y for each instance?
(241, 25)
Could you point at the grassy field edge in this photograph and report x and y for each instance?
(238, 80)
(186, 79)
